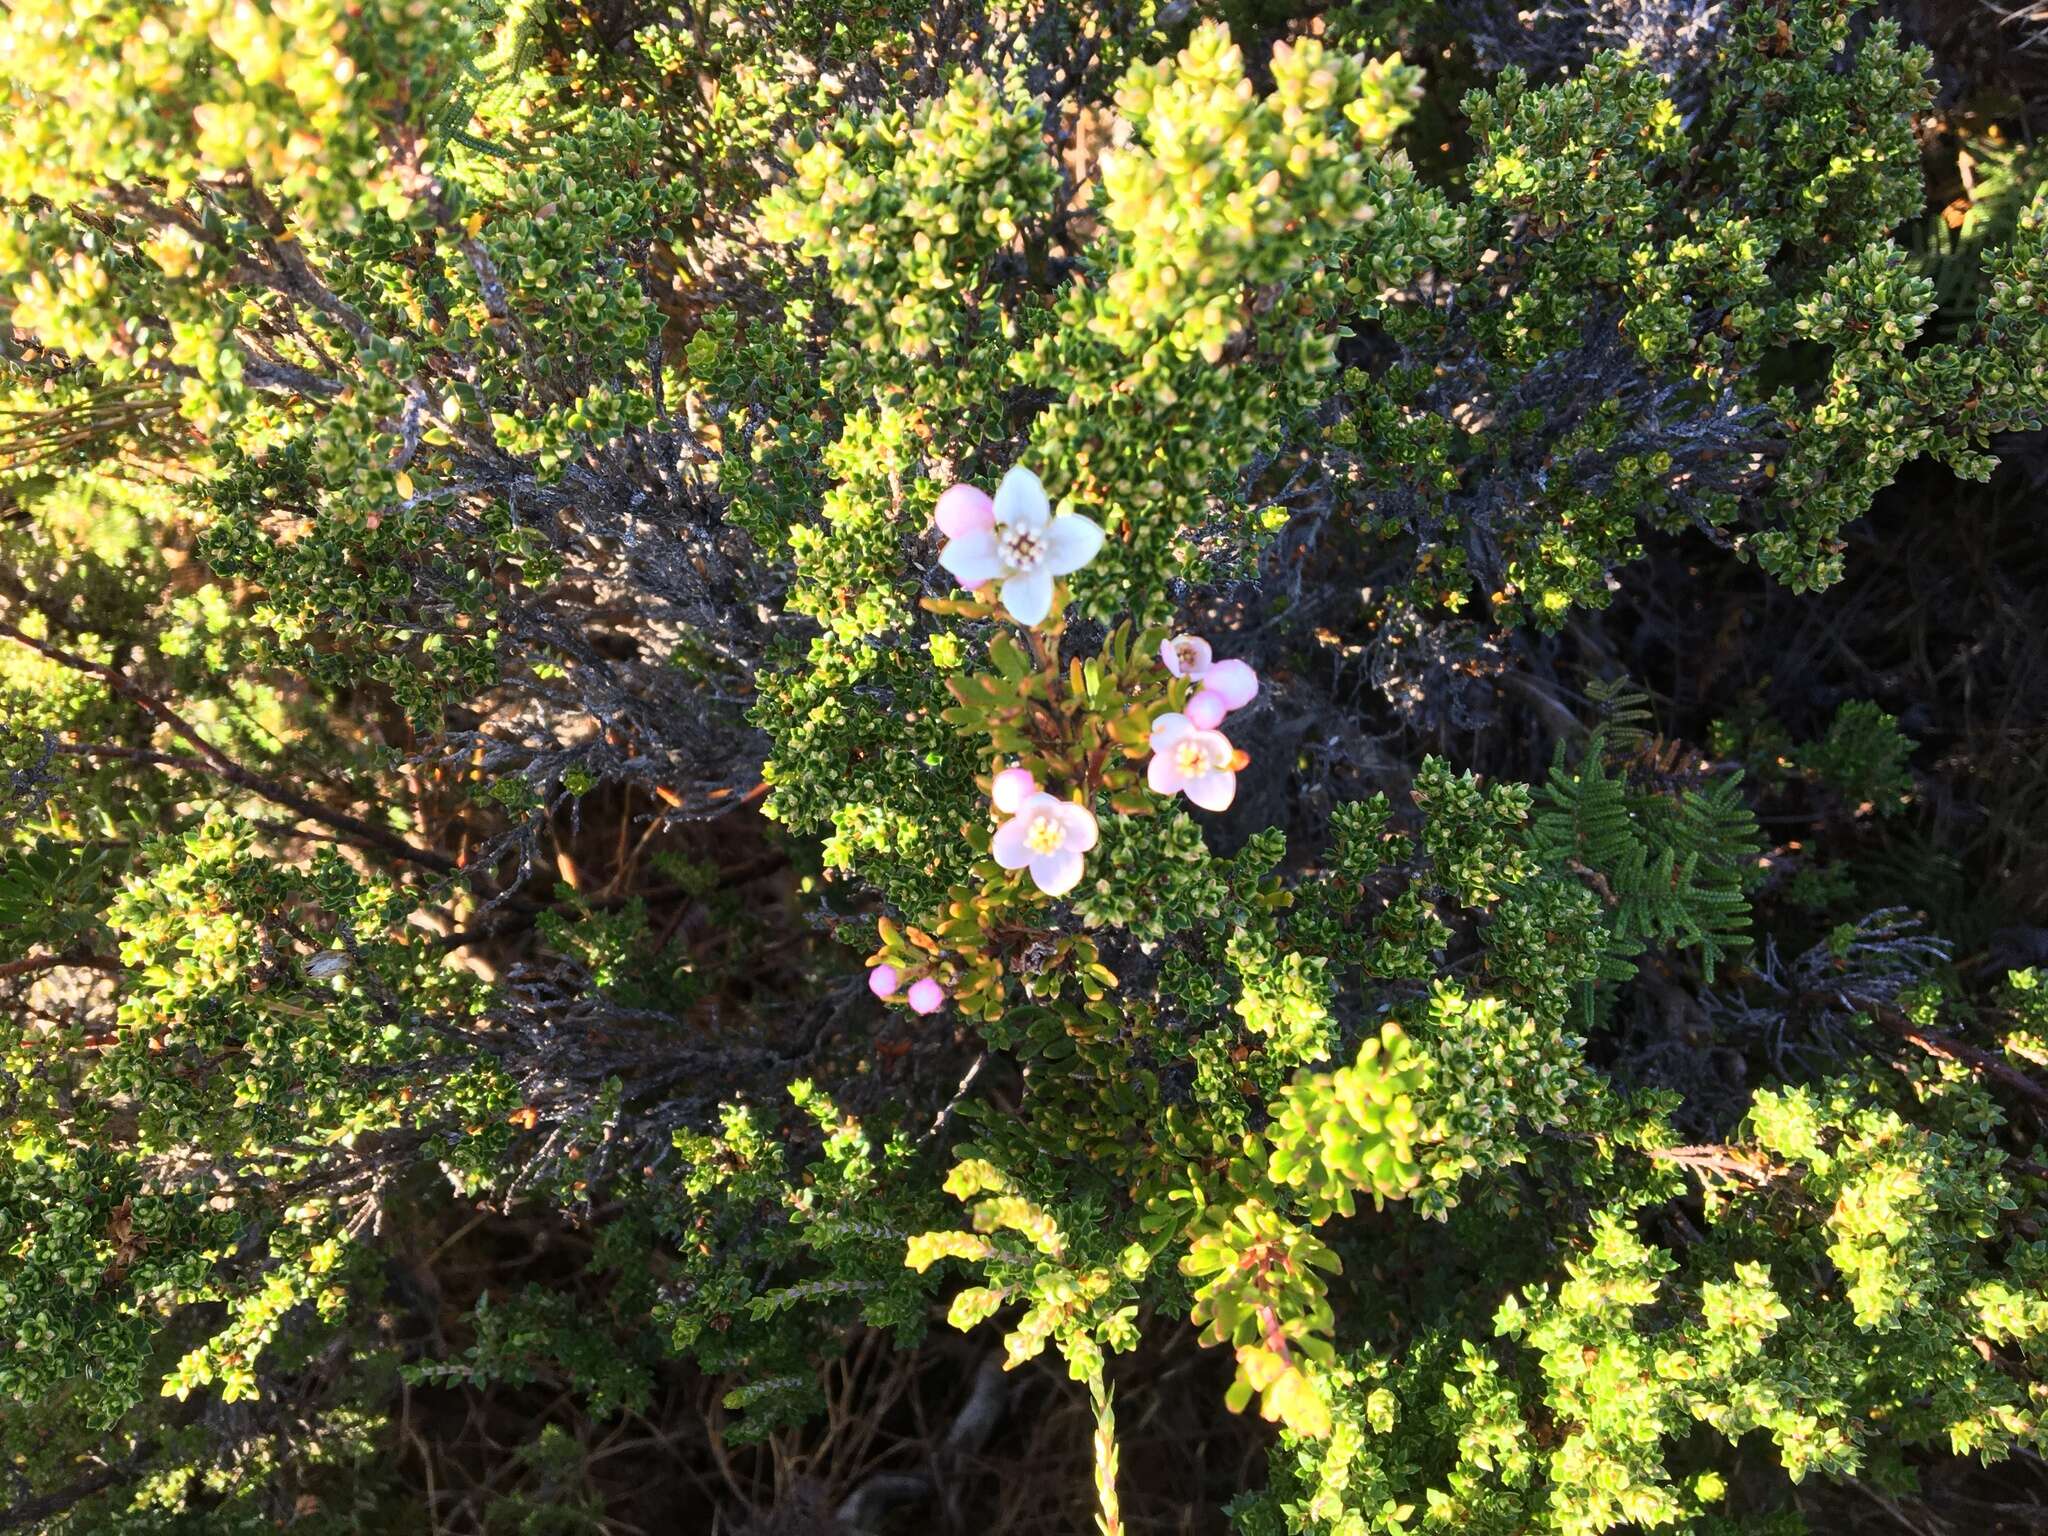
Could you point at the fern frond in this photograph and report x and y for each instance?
(1625, 715)
(1674, 867)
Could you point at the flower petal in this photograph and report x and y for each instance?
(1008, 845)
(972, 557)
(1020, 500)
(964, 509)
(1212, 791)
(1169, 728)
(1163, 774)
(1057, 873)
(1080, 824)
(1207, 709)
(1029, 598)
(1071, 542)
(1038, 803)
(1235, 681)
(1010, 788)
(1216, 749)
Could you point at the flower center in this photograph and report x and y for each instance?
(1190, 658)
(1190, 759)
(1046, 836)
(1021, 549)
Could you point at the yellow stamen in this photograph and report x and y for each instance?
(1046, 836)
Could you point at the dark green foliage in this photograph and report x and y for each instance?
(1671, 862)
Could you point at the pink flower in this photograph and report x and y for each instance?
(1023, 546)
(1046, 836)
(1191, 760)
(883, 980)
(1012, 787)
(926, 996)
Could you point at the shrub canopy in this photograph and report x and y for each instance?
(884, 667)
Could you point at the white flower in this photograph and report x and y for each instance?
(1025, 549)
(1189, 760)
(1048, 835)
(1186, 656)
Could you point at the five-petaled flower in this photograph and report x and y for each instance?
(1226, 685)
(1014, 540)
(1047, 836)
(1192, 760)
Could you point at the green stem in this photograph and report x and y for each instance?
(1109, 1520)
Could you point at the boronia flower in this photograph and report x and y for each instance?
(1191, 760)
(1187, 656)
(1022, 546)
(1226, 685)
(1047, 836)
(926, 996)
(884, 979)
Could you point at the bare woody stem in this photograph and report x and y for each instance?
(1726, 1161)
(211, 760)
(37, 1510)
(1943, 1047)
(70, 959)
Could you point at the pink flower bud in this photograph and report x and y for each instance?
(1233, 681)
(926, 996)
(1012, 786)
(883, 980)
(1207, 709)
(965, 509)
